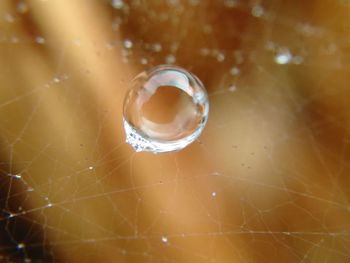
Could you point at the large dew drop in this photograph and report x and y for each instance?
(165, 110)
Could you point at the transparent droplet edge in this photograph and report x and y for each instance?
(143, 144)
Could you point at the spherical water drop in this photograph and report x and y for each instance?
(40, 40)
(220, 57)
(230, 3)
(156, 47)
(20, 246)
(165, 110)
(128, 44)
(283, 56)
(235, 71)
(232, 88)
(117, 4)
(258, 11)
(170, 59)
(164, 239)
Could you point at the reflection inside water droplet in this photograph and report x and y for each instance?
(165, 110)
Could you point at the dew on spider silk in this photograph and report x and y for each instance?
(144, 61)
(283, 56)
(220, 57)
(235, 71)
(117, 4)
(157, 47)
(20, 246)
(232, 88)
(170, 59)
(165, 110)
(230, 3)
(40, 40)
(164, 239)
(128, 44)
(258, 11)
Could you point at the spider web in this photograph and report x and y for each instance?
(266, 182)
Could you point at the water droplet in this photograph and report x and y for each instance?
(40, 40)
(283, 56)
(204, 51)
(20, 245)
(258, 11)
(220, 57)
(127, 43)
(230, 3)
(165, 110)
(117, 4)
(235, 71)
(164, 239)
(170, 59)
(156, 47)
(17, 176)
(144, 61)
(232, 88)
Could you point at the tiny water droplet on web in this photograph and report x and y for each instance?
(164, 239)
(165, 110)
(230, 3)
(128, 44)
(156, 47)
(117, 4)
(235, 71)
(170, 59)
(232, 88)
(258, 11)
(20, 246)
(283, 56)
(40, 40)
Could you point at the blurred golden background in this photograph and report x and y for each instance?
(268, 180)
